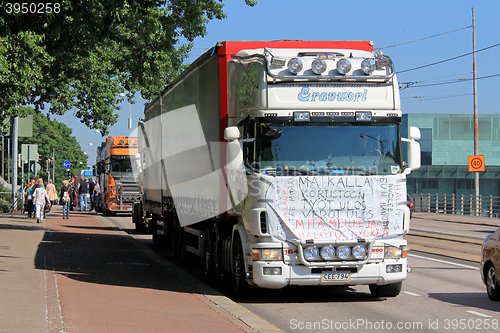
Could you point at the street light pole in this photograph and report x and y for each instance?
(476, 139)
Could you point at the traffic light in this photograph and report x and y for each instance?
(68, 174)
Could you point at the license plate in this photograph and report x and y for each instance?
(337, 276)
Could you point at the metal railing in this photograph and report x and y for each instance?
(461, 204)
(6, 201)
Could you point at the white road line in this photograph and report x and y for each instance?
(409, 293)
(479, 314)
(443, 261)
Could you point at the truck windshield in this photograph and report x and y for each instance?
(120, 164)
(328, 149)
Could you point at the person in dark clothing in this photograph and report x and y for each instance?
(83, 188)
(72, 194)
(91, 192)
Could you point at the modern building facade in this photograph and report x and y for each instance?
(446, 142)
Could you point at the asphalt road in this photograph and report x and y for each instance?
(441, 294)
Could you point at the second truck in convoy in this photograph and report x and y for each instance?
(114, 171)
(280, 163)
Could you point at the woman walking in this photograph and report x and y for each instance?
(41, 198)
(65, 197)
(52, 192)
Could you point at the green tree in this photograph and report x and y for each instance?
(84, 53)
(52, 136)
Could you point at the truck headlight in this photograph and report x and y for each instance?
(359, 251)
(392, 252)
(343, 252)
(267, 254)
(295, 65)
(311, 253)
(318, 66)
(327, 252)
(368, 66)
(343, 66)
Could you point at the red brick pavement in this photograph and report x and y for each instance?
(99, 281)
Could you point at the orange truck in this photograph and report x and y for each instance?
(118, 186)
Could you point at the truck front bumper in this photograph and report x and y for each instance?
(300, 275)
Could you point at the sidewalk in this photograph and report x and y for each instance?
(80, 275)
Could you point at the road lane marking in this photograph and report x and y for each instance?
(478, 314)
(443, 261)
(409, 293)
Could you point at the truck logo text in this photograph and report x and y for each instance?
(306, 96)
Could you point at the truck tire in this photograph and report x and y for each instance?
(179, 240)
(158, 240)
(240, 283)
(208, 255)
(217, 251)
(137, 218)
(387, 290)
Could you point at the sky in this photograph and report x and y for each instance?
(407, 24)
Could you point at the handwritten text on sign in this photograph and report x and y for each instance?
(336, 207)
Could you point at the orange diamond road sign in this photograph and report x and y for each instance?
(476, 163)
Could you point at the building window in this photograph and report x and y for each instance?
(429, 184)
(464, 184)
(426, 146)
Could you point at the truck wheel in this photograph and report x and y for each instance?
(387, 290)
(158, 240)
(216, 251)
(179, 240)
(492, 286)
(240, 283)
(135, 217)
(208, 255)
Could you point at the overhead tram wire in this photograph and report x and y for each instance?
(420, 39)
(450, 59)
(404, 85)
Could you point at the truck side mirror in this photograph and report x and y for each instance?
(413, 149)
(234, 153)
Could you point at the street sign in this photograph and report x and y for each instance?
(476, 163)
(38, 167)
(66, 164)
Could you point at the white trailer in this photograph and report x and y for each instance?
(280, 163)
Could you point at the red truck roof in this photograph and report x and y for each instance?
(235, 47)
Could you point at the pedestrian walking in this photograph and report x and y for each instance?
(41, 198)
(28, 194)
(72, 191)
(83, 188)
(52, 192)
(97, 193)
(91, 192)
(66, 198)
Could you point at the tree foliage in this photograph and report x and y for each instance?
(88, 52)
(53, 137)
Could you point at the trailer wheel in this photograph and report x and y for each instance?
(136, 218)
(208, 255)
(158, 240)
(240, 283)
(387, 290)
(216, 251)
(179, 240)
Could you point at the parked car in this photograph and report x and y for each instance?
(490, 264)
(409, 203)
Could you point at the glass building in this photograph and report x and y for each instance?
(446, 142)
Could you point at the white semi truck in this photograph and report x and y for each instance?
(280, 163)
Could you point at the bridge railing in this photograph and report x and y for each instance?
(461, 204)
